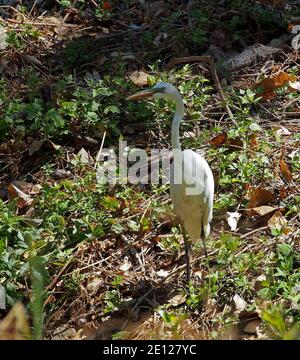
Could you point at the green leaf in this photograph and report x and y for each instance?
(284, 249)
(275, 320)
(264, 293)
(112, 109)
(2, 245)
(117, 228)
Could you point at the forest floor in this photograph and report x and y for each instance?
(80, 259)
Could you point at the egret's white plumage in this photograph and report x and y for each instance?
(191, 180)
(195, 210)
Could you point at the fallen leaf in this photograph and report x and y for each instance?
(281, 130)
(93, 285)
(84, 157)
(219, 140)
(62, 31)
(32, 222)
(177, 299)
(239, 303)
(139, 78)
(295, 85)
(3, 43)
(52, 145)
(15, 325)
(285, 171)
(259, 282)
(232, 219)
(35, 146)
(253, 142)
(22, 198)
(269, 84)
(60, 174)
(162, 273)
(126, 266)
(282, 193)
(263, 210)
(277, 221)
(23, 186)
(260, 196)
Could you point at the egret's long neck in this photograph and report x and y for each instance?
(176, 123)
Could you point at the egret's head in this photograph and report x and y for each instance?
(160, 90)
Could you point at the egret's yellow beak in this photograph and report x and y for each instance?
(146, 93)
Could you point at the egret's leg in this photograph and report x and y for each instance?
(187, 248)
(204, 245)
(204, 242)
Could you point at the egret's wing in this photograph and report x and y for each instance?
(193, 195)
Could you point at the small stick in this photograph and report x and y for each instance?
(100, 151)
(254, 231)
(219, 88)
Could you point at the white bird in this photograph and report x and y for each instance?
(191, 179)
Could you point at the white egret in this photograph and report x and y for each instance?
(191, 180)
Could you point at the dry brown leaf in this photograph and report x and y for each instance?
(177, 299)
(62, 31)
(260, 196)
(22, 198)
(282, 193)
(139, 78)
(269, 84)
(277, 221)
(285, 171)
(93, 285)
(35, 146)
(260, 210)
(253, 142)
(219, 140)
(263, 210)
(15, 325)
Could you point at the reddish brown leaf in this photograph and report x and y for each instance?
(282, 193)
(219, 140)
(253, 142)
(260, 197)
(269, 84)
(285, 171)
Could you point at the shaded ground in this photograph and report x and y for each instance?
(110, 258)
